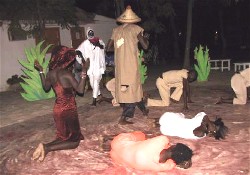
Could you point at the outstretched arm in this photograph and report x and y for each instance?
(185, 92)
(79, 87)
(110, 46)
(165, 154)
(143, 39)
(248, 93)
(79, 54)
(189, 93)
(46, 83)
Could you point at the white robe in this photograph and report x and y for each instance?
(97, 64)
(175, 124)
(96, 57)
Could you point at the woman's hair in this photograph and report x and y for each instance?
(61, 57)
(181, 153)
(221, 129)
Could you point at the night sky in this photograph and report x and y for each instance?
(205, 24)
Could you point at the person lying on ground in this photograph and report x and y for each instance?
(175, 124)
(63, 82)
(134, 150)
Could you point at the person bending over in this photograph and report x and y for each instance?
(178, 79)
(240, 83)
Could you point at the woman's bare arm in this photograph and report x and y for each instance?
(46, 81)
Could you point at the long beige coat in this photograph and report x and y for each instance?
(126, 63)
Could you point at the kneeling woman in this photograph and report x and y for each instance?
(61, 79)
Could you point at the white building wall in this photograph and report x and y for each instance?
(65, 37)
(12, 51)
(102, 27)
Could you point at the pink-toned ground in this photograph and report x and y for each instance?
(25, 124)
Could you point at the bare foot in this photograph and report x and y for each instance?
(174, 101)
(219, 101)
(41, 158)
(39, 153)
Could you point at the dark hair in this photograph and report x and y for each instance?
(221, 129)
(192, 75)
(61, 57)
(181, 153)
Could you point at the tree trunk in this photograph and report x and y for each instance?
(41, 23)
(119, 7)
(176, 58)
(186, 63)
(223, 39)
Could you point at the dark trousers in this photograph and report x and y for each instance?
(129, 108)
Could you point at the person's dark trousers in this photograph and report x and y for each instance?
(142, 107)
(128, 109)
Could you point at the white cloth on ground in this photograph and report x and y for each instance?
(175, 124)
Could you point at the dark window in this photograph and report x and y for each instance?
(17, 34)
(50, 36)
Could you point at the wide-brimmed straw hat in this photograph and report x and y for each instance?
(128, 16)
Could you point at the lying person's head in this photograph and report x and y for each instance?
(179, 153)
(221, 129)
(215, 129)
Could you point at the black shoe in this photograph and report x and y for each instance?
(109, 100)
(94, 102)
(145, 112)
(145, 98)
(123, 121)
(142, 107)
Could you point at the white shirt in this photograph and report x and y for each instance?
(96, 57)
(175, 124)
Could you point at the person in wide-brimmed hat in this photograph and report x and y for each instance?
(128, 86)
(128, 16)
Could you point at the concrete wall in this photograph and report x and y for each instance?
(12, 51)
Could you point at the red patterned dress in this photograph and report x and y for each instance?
(65, 114)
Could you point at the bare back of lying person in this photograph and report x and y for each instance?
(134, 150)
(61, 79)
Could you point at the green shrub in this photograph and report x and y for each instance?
(203, 67)
(32, 84)
(143, 68)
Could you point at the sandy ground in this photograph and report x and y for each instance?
(25, 124)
